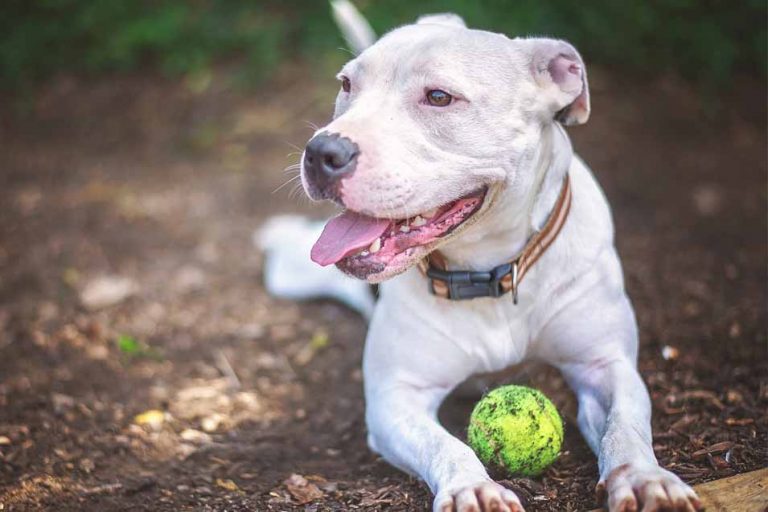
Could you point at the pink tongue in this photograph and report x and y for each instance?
(345, 234)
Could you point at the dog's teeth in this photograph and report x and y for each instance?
(375, 246)
(405, 228)
(431, 213)
(364, 254)
(418, 221)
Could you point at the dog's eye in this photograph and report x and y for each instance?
(346, 85)
(438, 98)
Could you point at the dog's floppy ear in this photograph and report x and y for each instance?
(559, 70)
(448, 19)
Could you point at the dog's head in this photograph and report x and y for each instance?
(431, 123)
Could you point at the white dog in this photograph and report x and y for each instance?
(451, 138)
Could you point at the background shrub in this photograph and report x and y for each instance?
(705, 40)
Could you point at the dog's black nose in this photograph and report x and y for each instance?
(327, 159)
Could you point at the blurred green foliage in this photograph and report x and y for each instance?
(130, 348)
(705, 40)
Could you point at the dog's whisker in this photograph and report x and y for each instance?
(296, 195)
(286, 183)
(292, 168)
(393, 210)
(294, 146)
(347, 50)
(293, 193)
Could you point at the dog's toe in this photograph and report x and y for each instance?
(466, 501)
(654, 497)
(480, 497)
(679, 498)
(492, 498)
(654, 489)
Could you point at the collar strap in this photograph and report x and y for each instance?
(463, 284)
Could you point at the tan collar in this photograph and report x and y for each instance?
(462, 284)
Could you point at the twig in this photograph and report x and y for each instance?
(222, 363)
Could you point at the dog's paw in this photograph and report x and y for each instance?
(648, 488)
(484, 496)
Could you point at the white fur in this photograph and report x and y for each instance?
(286, 241)
(573, 312)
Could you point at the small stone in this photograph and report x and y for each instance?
(189, 278)
(106, 291)
(195, 436)
(669, 353)
(707, 199)
(203, 490)
(61, 403)
(250, 331)
(211, 423)
(87, 465)
(734, 397)
(692, 309)
(97, 352)
(282, 332)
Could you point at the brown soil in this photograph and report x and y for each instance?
(146, 179)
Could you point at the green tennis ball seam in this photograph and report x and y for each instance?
(493, 445)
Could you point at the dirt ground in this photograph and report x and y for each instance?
(143, 367)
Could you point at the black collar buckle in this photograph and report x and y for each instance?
(464, 284)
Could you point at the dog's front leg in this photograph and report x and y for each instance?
(615, 418)
(412, 360)
(594, 343)
(403, 428)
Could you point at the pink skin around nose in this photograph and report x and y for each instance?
(372, 188)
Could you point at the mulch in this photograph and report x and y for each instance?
(252, 403)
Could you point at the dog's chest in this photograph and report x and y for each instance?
(493, 331)
(474, 336)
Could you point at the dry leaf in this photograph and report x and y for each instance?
(302, 490)
(227, 484)
(153, 418)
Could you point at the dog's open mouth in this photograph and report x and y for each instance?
(361, 245)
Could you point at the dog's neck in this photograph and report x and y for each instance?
(519, 210)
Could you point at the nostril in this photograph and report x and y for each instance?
(337, 159)
(331, 155)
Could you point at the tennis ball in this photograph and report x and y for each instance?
(516, 428)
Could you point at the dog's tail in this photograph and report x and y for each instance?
(354, 27)
(286, 241)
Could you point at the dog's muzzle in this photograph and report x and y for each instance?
(328, 158)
